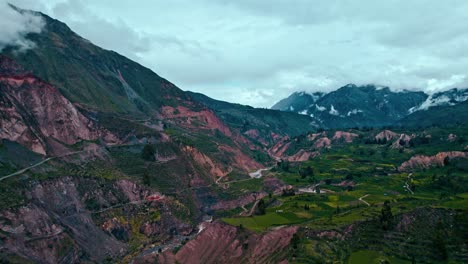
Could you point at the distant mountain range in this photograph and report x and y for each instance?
(370, 105)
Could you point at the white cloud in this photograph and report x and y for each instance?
(258, 52)
(14, 26)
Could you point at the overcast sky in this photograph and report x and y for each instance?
(257, 52)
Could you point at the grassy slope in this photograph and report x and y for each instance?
(265, 120)
(373, 168)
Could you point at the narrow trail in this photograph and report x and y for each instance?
(44, 237)
(362, 199)
(253, 208)
(39, 164)
(25, 169)
(220, 178)
(21, 171)
(245, 210)
(249, 212)
(407, 187)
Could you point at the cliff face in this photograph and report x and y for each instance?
(423, 162)
(35, 114)
(68, 220)
(221, 243)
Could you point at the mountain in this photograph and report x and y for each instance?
(439, 115)
(113, 156)
(264, 125)
(36, 115)
(449, 97)
(371, 106)
(357, 106)
(104, 161)
(298, 102)
(91, 76)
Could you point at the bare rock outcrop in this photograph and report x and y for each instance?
(322, 143)
(204, 161)
(344, 136)
(303, 155)
(221, 243)
(192, 119)
(36, 115)
(402, 141)
(386, 135)
(422, 162)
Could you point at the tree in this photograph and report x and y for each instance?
(446, 161)
(317, 189)
(146, 178)
(261, 207)
(306, 172)
(386, 215)
(283, 165)
(148, 152)
(438, 242)
(295, 240)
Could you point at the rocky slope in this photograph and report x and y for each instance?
(298, 102)
(61, 220)
(221, 243)
(260, 125)
(424, 162)
(36, 115)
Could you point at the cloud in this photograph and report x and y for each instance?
(258, 52)
(15, 25)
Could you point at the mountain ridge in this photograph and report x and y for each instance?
(367, 105)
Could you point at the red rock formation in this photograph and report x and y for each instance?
(35, 114)
(422, 162)
(220, 243)
(133, 191)
(303, 155)
(187, 117)
(386, 135)
(240, 160)
(205, 162)
(344, 136)
(322, 143)
(254, 134)
(314, 136)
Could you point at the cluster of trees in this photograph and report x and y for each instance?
(288, 192)
(283, 165)
(380, 141)
(386, 216)
(261, 207)
(148, 152)
(306, 172)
